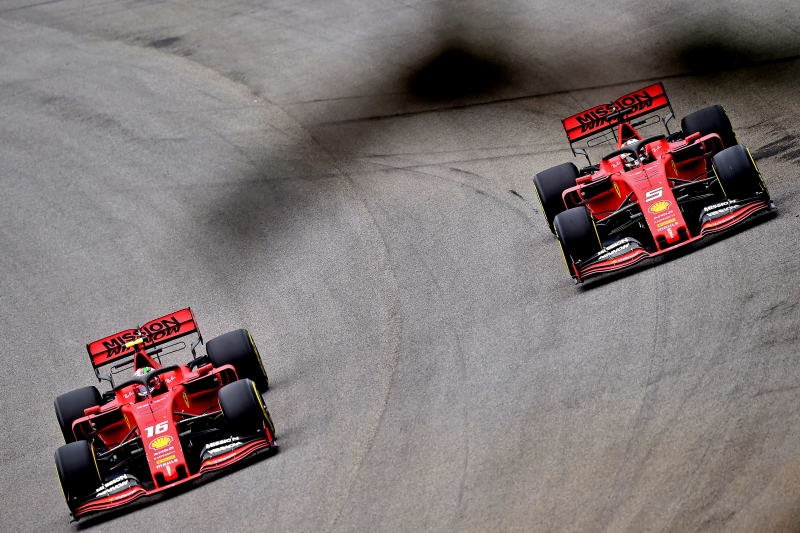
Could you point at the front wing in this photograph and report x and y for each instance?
(628, 251)
(215, 456)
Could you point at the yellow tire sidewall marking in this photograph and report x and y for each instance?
(267, 418)
(541, 205)
(596, 234)
(94, 457)
(258, 356)
(732, 129)
(563, 255)
(60, 484)
(719, 180)
(58, 474)
(755, 166)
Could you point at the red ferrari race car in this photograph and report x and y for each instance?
(166, 424)
(650, 194)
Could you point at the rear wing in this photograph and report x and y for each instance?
(604, 117)
(156, 332)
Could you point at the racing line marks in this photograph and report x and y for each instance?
(163, 43)
(781, 147)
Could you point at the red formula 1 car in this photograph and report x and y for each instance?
(651, 194)
(166, 424)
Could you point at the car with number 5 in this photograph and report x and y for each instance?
(650, 194)
(165, 424)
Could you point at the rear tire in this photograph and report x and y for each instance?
(549, 185)
(712, 119)
(77, 471)
(577, 235)
(238, 349)
(244, 409)
(738, 174)
(70, 406)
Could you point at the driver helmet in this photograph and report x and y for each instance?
(141, 390)
(628, 160)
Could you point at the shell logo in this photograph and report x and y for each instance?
(659, 206)
(160, 442)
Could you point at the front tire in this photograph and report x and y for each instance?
(577, 235)
(77, 471)
(244, 409)
(712, 119)
(238, 349)
(550, 184)
(738, 174)
(70, 406)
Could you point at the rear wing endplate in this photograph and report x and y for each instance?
(595, 120)
(156, 332)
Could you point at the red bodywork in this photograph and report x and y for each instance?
(128, 342)
(184, 393)
(650, 183)
(594, 120)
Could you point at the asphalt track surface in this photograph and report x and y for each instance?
(351, 181)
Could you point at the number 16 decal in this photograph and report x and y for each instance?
(159, 428)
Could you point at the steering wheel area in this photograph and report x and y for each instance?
(634, 148)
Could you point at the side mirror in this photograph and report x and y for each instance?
(579, 151)
(195, 344)
(667, 118)
(91, 410)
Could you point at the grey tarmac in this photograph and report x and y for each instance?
(351, 181)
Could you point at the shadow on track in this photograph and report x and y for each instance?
(457, 72)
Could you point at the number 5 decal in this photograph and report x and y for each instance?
(649, 196)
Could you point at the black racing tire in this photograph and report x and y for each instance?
(712, 119)
(237, 348)
(738, 174)
(244, 409)
(550, 185)
(77, 471)
(577, 235)
(70, 406)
